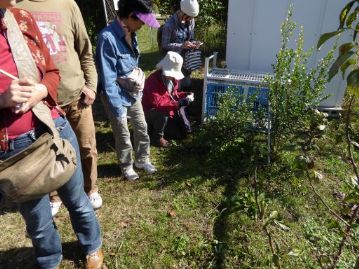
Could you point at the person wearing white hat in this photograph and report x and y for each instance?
(177, 33)
(162, 103)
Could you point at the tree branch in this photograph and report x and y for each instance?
(349, 141)
(344, 239)
(323, 202)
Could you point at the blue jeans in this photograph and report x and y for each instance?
(37, 213)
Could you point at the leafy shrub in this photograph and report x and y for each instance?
(295, 90)
(94, 17)
(234, 135)
(230, 139)
(210, 10)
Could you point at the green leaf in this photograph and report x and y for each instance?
(344, 48)
(354, 181)
(324, 37)
(344, 13)
(353, 82)
(338, 63)
(294, 252)
(273, 215)
(352, 17)
(333, 224)
(356, 32)
(282, 226)
(352, 198)
(345, 66)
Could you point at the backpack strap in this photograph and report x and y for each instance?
(26, 66)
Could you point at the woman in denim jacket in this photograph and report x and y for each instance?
(117, 56)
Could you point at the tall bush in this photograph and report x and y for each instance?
(295, 89)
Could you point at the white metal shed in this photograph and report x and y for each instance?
(253, 36)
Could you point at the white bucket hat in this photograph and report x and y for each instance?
(171, 65)
(190, 7)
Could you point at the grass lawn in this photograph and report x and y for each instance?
(190, 216)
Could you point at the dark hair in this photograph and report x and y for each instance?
(125, 7)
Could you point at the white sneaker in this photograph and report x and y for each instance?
(130, 174)
(96, 200)
(148, 167)
(55, 206)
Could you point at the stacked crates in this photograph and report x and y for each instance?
(214, 90)
(218, 81)
(251, 86)
(213, 94)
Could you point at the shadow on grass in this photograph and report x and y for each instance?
(99, 111)
(189, 168)
(17, 258)
(108, 170)
(24, 258)
(105, 142)
(222, 225)
(6, 206)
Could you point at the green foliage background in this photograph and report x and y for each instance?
(211, 23)
(210, 10)
(94, 16)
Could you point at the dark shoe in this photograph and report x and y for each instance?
(94, 260)
(163, 143)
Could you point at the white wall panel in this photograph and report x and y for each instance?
(253, 36)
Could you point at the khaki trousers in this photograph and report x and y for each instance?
(81, 120)
(121, 133)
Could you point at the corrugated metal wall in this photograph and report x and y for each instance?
(253, 36)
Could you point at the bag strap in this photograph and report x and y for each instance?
(26, 66)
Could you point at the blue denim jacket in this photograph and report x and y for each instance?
(115, 58)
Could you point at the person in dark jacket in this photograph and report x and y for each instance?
(163, 103)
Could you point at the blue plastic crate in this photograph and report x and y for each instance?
(215, 90)
(261, 96)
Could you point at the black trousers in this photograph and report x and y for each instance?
(161, 125)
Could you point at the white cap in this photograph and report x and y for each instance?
(171, 65)
(190, 7)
